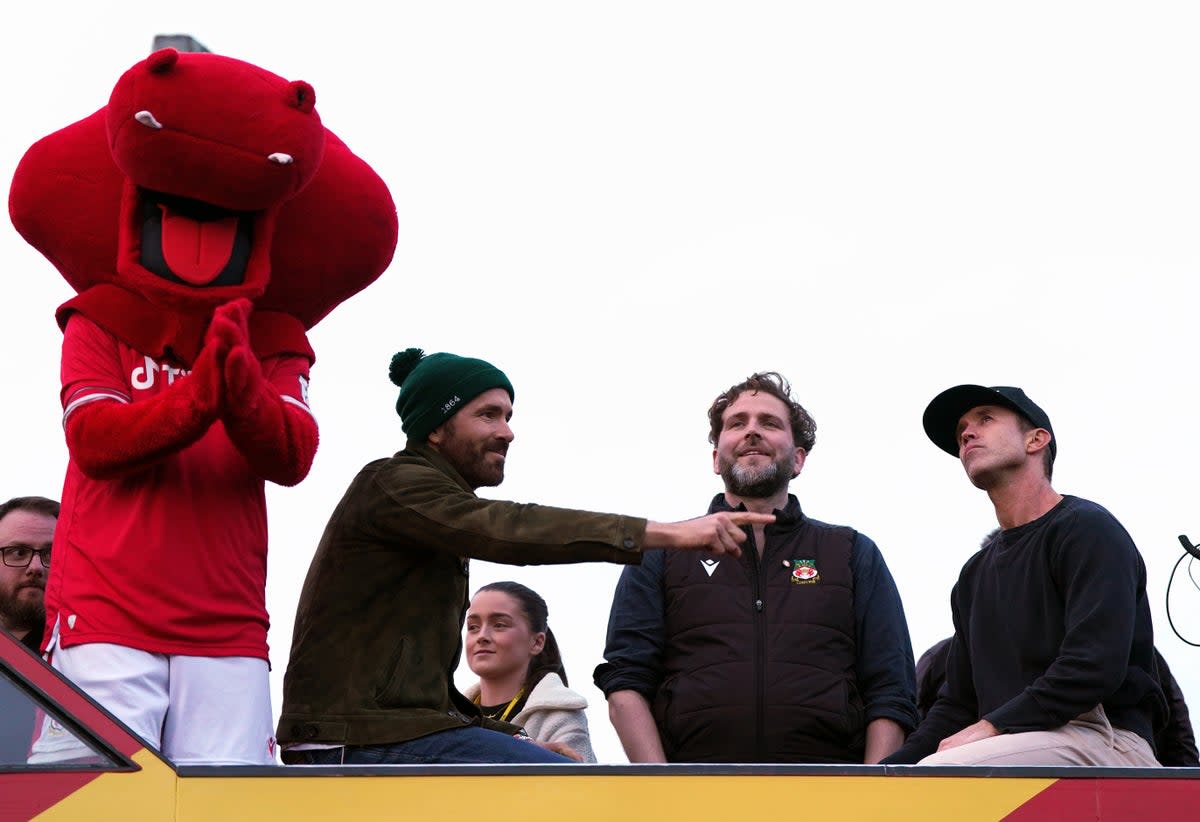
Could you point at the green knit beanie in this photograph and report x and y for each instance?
(434, 387)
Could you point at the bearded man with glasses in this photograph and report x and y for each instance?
(26, 532)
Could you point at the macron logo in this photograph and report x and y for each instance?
(709, 565)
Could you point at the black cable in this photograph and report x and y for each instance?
(1170, 621)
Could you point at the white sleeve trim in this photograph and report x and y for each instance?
(298, 404)
(94, 396)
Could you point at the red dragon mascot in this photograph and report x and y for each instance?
(206, 219)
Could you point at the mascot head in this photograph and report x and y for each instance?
(203, 180)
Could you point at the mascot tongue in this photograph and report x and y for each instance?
(196, 251)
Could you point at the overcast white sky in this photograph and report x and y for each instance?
(629, 206)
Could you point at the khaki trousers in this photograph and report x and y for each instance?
(1088, 739)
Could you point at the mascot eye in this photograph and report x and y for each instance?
(147, 119)
(281, 158)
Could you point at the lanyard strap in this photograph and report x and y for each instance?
(508, 709)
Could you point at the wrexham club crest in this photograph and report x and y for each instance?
(804, 571)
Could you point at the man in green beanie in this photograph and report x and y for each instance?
(378, 634)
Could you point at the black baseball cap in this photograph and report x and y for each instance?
(943, 413)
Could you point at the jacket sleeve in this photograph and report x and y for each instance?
(884, 669)
(568, 727)
(956, 705)
(1176, 743)
(633, 650)
(420, 504)
(1098, 571)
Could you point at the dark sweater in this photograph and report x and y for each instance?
(1175, 743)
(1050, 619)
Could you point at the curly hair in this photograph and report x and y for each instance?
(804, 427)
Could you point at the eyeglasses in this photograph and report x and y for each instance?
(19, 556)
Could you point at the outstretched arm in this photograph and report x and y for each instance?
(720, 533)
(273, 430)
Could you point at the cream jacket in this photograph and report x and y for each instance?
(553, 713)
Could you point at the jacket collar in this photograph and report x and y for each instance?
(789, 517)
(549, 694)
(431, 455)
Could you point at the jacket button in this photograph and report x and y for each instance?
(310, 731)
(629, 543)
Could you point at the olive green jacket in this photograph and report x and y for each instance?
(378, 629)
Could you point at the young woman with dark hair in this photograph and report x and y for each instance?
(511, 649)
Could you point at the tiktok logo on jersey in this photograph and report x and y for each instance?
(142, 377)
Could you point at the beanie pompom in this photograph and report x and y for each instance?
(434, 388)
(403, 364)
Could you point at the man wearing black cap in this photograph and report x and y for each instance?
(1052, 659)
(378, 629)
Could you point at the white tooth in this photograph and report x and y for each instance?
(147, 119)
(281, 158)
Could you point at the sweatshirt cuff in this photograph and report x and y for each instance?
(1021, 713)
(610, 677)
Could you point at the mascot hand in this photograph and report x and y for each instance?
(205, 382)
(245, 385)
(278, 439)
(229, 328)
(227, 331)
(244, 382)
(234, 318)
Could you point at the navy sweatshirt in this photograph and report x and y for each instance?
(1050, 619)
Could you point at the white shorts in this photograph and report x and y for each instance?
(197, 710)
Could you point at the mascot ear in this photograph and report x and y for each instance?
(300, 95)
(162, 60)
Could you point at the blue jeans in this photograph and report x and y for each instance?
(457, 746)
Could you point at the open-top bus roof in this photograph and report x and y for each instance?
(131, 781)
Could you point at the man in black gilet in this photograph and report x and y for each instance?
(798, 651)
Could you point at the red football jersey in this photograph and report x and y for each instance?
(173, 558)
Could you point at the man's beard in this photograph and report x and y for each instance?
(756, 483)
(20, 612)
(470, 459)
(480, 474)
